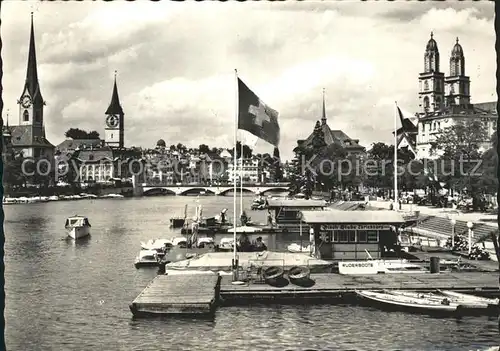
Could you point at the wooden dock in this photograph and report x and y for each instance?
(178, 295)
(328, 287)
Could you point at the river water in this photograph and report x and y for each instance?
(66, 296)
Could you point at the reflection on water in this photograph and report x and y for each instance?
(66, 295)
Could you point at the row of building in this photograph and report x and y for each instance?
(443, 101)
(103, 161)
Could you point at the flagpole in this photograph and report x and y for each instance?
(235, 257)
(396, 157)
(241, 178)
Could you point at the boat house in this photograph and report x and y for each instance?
(287, 212)
(350, 235)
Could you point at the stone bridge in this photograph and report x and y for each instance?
(209, 190)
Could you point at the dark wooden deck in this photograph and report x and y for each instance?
(328, 286)
(178, 294)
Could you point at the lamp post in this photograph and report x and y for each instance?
(453, 223)
(470, 225)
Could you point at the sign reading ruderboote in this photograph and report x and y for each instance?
(358, 267)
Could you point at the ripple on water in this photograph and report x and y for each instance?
(62, 295)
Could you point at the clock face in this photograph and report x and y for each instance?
(26, 101)
(112, 121)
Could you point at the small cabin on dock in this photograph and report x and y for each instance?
(287, 212)
(349, 235)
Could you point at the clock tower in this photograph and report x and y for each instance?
(113, 133)
(31, 101)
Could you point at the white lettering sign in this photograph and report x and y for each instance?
(355, 227)
(358, 267)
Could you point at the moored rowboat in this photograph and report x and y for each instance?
(470, 303)
(443, 305)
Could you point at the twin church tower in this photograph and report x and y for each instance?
(438, 91)
(29, 135)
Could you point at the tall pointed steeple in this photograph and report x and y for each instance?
(323, 116)
(32, 86)
(114, 107)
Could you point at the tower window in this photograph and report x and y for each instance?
(111, 136)
(26, 116)
(426, 103)
(426, 85)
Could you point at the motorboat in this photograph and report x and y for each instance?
(77, 227)
(10, 200)
(205, 241)
(146, 258)
(407, 302)
(258, 204)
(157, 244)
(245, 229)
(179, 241)
(226, 244)
(222, 261)
(114, 196)
(298, 248)
(177, 222)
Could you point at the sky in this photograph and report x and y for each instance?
(175, 64)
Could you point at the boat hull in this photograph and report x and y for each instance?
(78, 232)
(400, 303)
(140, 264)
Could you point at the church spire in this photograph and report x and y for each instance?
(323, 116)
(32, 85)
(114, 106)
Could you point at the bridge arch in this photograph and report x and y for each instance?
(196, 190)
(158, 191)
(275, 189)
(238, 189)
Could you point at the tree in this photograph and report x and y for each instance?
(204, 149)
(277, 169)
(93, 135)
(247, 151)
(13, 176)
(76, 133)
(318, 140)
(460, 152)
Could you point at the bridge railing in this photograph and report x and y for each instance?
(150, 183)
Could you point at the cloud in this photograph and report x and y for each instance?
(176, 62)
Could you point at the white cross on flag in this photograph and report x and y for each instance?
(256, 117)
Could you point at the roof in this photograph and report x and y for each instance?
(96, 155)
(487, 110)
(392, 217)
(335, 136)
(486, 106)
(295, 203)
(72, 144)
(23, 136)
(32, 85)
(114, 107)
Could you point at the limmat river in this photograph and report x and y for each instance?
(62, 295)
